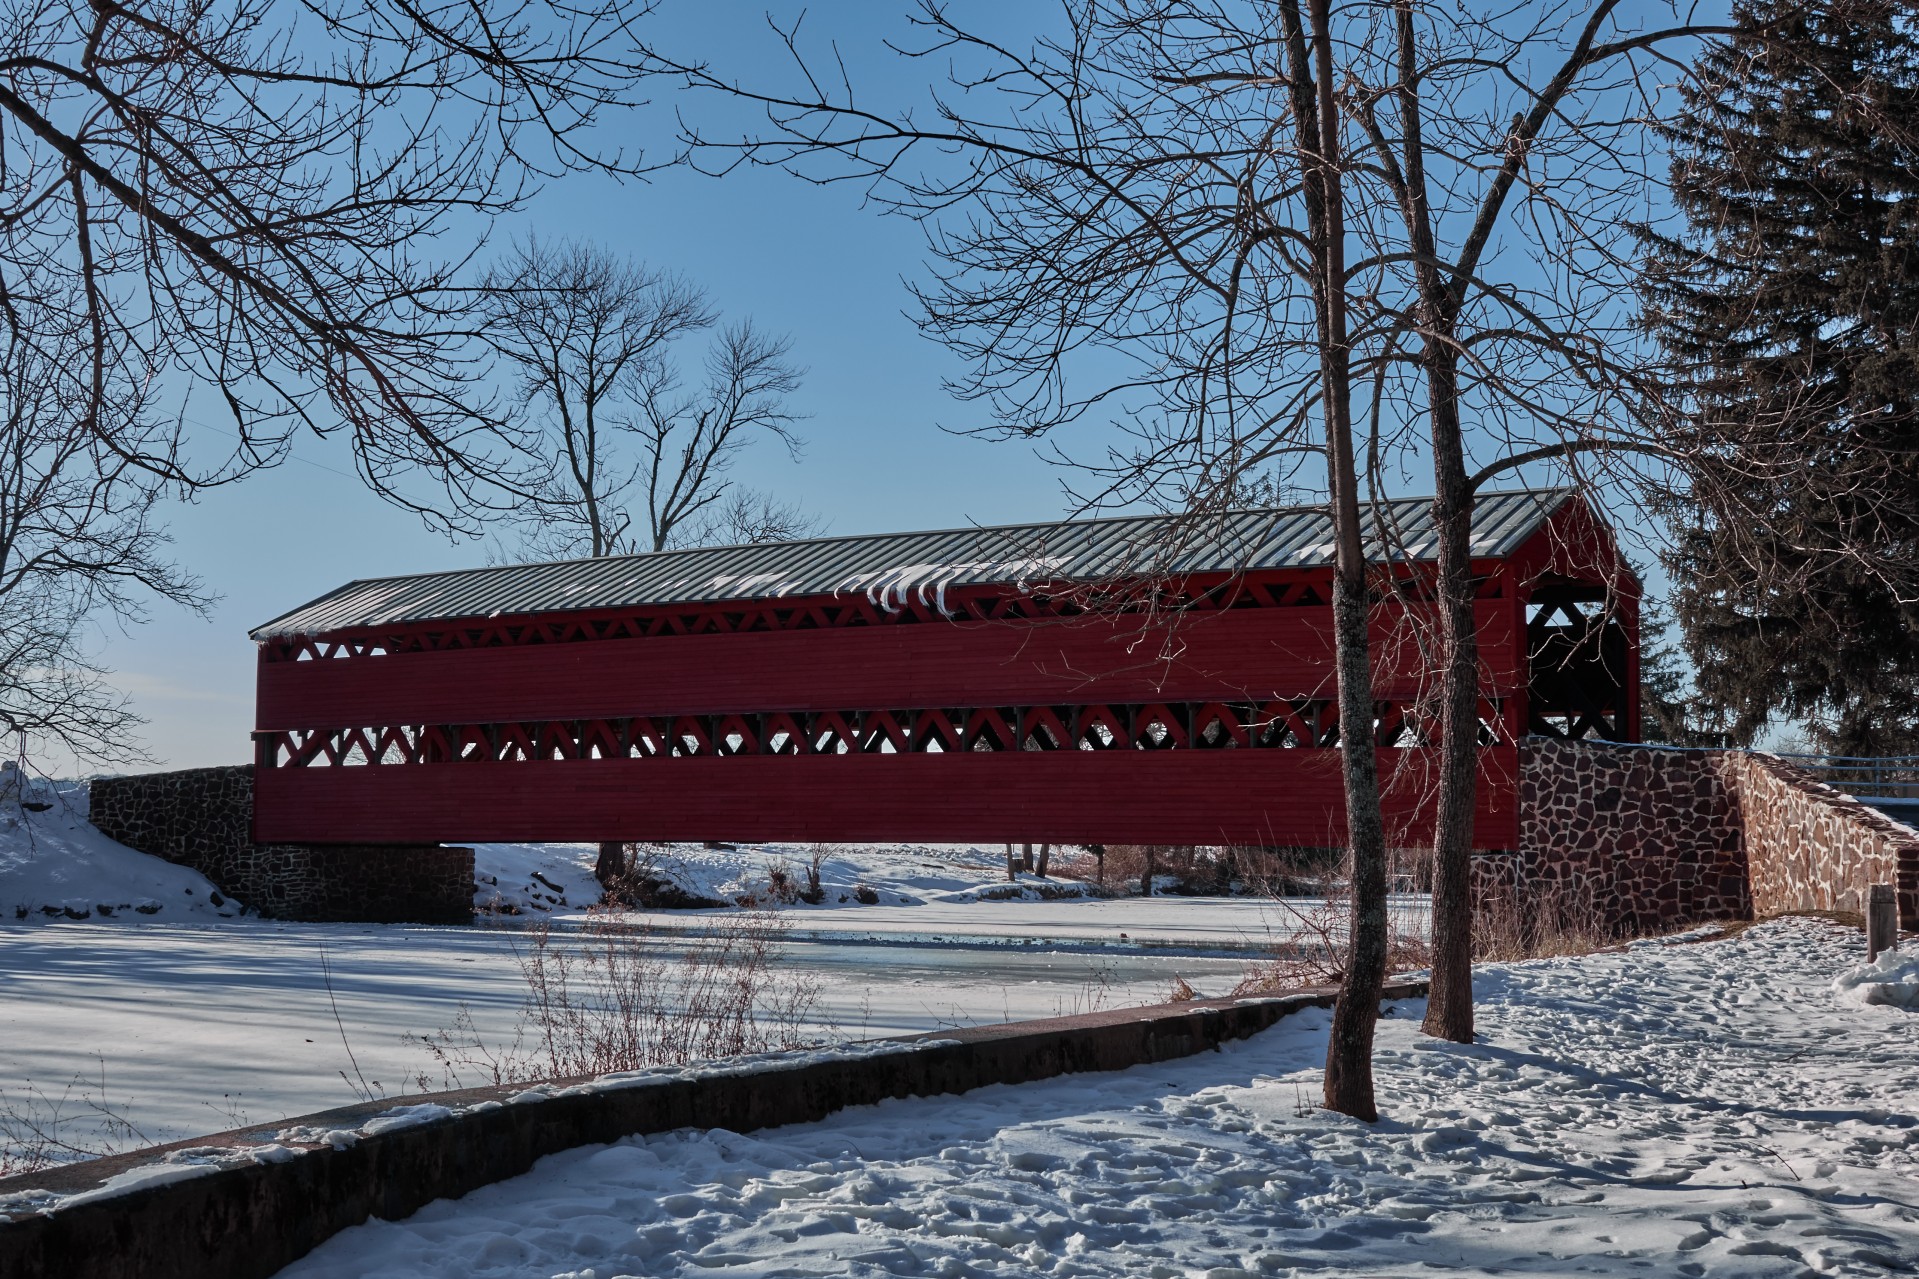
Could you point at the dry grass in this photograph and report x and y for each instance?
(1544, 921)
(613, 997)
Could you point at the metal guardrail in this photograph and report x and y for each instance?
(1865, 776)
(1871, 777)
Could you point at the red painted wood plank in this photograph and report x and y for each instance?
(1272, 797)
(1238, 655)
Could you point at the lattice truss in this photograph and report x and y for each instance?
(1579, 655)
(1298, 724)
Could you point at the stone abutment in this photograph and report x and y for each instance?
(203, 818)
(1637, 839)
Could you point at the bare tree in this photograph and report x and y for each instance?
(689, 440)
(638, 463)
(747, 515)
(1161, 189)
(585, 330)
(221, 225)
(1533, 337)
(263, 211)
(79, 539)
(1174, 188)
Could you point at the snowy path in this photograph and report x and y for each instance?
(1706, 1110)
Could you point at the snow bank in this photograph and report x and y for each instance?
(1675, 1110)
(55, 865)
(1892, 979)
(521, 879)
(891, 874)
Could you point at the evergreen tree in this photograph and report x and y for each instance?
(1789, 302)
(1669, 710)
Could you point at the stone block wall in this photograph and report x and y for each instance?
(203, 818)
(198, 817)
(1640, 838)
(1811, 847)
(376, 884)
(1637, 839)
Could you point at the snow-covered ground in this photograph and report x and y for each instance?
(559, 877)
(1714, 1109)
(55, 865)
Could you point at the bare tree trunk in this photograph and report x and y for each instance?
(610, 869)
(1099, 863)
(1045, 862)
(1026, 858)
(1449, 1011)
(1012, 864)
(1349, 1048)
(1146, 876)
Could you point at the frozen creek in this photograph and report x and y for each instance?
(1702, 1110)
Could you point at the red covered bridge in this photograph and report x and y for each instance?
(1101, 680)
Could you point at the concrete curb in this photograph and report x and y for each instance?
(243, 1204)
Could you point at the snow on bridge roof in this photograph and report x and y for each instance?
(893, 564)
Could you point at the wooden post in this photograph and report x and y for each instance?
(1882, 921)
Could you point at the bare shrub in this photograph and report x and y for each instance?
(638, 876)
(1199, 870)
(613, 996)
(813, 894)
(1140, 864)
(40, 1130)
(1081, 862)
(1289, 872)
(1315, 952)
(1095, 994)
(1180, 992)
(782, 888)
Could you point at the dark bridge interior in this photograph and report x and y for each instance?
(1580, 655)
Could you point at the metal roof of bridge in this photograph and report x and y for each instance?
(892, 565)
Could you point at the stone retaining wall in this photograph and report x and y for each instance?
(198, 817)
(1811, 847)
(1642, 838)
(203, 818)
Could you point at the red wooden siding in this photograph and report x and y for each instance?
(1246, 653)
(1272, 797)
